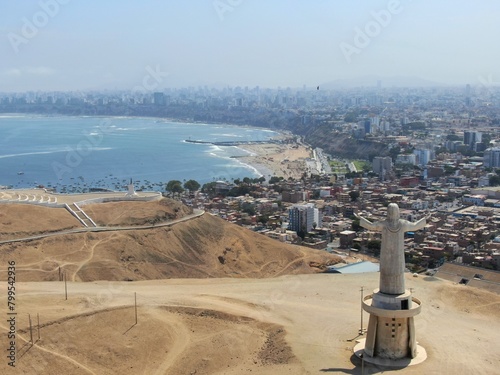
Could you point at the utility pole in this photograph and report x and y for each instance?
(135, 305)
(38, 324)
(31, 330)
(361, 331)
(65, 287)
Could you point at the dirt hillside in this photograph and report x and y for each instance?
(136, 213)
(24, 220)
(202, 247)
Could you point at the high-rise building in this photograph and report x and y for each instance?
(472, 138)
(382, 165)
(367, 126)
(422, 156)
(491, 158)
(302, 217)
(468, 100)
(159, 98)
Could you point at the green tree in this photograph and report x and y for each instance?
(174, 187)
(494, 180)
(449, 170)
(275, 179)
(354, 195)
(302, 232)
(263, 219)
(192, 185)
(351, 117)
(486, 139)
(248, 208)
(453, 137)
(374, 246)
(394, 152)
(208, 188)
(355, 226)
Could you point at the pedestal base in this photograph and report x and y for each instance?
(359, 351)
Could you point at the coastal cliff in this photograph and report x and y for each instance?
(344, 145)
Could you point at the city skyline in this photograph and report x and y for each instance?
(63, 45)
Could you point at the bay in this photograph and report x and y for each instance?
(77, 153)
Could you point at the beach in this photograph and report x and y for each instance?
(282, 160)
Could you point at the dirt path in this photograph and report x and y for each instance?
(181, 336)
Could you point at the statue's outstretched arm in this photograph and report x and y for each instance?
(409, 226)
(368, 224)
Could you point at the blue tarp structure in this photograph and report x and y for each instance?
(361, 267)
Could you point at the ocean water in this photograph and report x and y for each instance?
(76, 153)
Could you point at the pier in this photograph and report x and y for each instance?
(231, 143)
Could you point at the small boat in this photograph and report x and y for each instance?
(20, 173)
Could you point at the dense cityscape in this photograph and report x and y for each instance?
(430, 150)
(268, 187)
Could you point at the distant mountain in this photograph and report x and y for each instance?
(387, 82)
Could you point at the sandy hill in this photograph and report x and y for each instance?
(24, 220)
(136, 213)
(199, 248)
(471, 276)
(299, 324)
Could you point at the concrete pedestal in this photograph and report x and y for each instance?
(391, 328)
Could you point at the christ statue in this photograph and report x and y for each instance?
(392, 257)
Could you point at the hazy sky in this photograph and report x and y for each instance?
(99, 44)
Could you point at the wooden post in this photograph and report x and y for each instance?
(31, 330)
(38, 324)
(135, 304)
(65, 287)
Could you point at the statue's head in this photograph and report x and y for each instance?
(393, 212)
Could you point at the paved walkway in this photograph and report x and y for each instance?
(196, 213)
(43, 196)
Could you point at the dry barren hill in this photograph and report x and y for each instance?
(298, 324)
(24, 220)
(199, 248)
(136, 213)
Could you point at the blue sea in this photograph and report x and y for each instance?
(77, 153)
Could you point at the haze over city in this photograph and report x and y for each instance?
(72, 45)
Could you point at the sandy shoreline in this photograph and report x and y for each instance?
(282, 160)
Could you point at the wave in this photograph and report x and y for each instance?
(227, 135)
(256, 171)
(214, 148)
(49, 152)
(13, 116)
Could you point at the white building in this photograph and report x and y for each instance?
(491, 158)
(302, 217)
(422, 156)
(406, 159)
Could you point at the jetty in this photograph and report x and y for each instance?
(231, 143)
